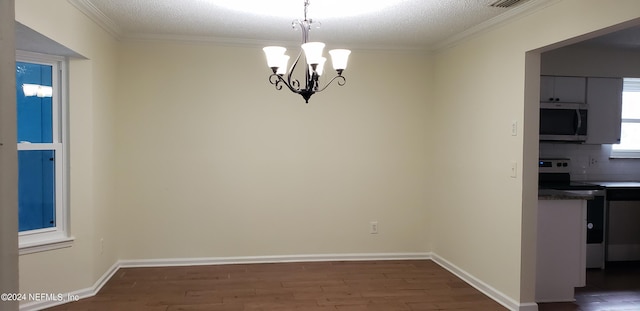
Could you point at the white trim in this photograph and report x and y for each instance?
(31, 241)
(38, 58)
(521, 10)
(489, 291)
(168, 262)
(94, 14)
(108, 24)
(624, 154)
(82, 293)
(485, 288)
(41, 245)
(530, 306)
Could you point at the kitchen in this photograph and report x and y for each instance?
(604, 178)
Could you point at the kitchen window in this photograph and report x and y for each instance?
(41, 137)
(629, 146)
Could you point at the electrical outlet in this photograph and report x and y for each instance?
(514, 128)
(373, 227)
(593, 161)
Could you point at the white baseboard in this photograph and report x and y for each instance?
(470, 279)
(269, 259)
(485, 288)
(530, 306)
(81, 294)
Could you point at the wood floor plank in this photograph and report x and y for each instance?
(403, 285)
(616, 288)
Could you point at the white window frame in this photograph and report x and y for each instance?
(39, 240)
(627, 153)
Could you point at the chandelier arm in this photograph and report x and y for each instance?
(277, 80)
(294, 83)
(341, 81)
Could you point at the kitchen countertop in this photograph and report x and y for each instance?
(553, 194)
(617, 184)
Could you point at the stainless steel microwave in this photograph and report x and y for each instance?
(563, 122)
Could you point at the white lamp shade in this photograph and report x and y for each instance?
(339, 58)
(274, 55)
(320, 66)
(284, 63)
(313, 52)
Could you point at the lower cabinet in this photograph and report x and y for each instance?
(561, 249)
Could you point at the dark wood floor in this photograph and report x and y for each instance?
(616, 288)
(319, 286)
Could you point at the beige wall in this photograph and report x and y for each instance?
(479, 91)
(91, 151)
(8, 157)
(213, 161)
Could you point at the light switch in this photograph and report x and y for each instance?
(514, 128)
(514, 169)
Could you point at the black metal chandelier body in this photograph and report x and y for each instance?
(312, 61)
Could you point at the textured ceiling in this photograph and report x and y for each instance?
(409, 24)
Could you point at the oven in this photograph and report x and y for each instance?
(556, 174)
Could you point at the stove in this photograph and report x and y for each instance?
(556, 174)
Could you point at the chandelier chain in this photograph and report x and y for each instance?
(306, 7)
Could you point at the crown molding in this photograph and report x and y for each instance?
(94, 14)
(520, 11)
(109, 25)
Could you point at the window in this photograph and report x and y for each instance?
(629, 146)
(42, 178)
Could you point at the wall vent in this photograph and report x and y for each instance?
(505, 3)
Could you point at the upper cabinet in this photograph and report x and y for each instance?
(563, 89)
(604, 97)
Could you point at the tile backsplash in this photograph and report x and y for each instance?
(592, 162)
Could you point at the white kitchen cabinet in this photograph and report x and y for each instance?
(561, 249)
(563, 89)
(604, 97)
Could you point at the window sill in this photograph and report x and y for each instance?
(615, 154)
(45, 245)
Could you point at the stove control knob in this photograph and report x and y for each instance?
(590, 225)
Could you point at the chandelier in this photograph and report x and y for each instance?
(313, 61)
